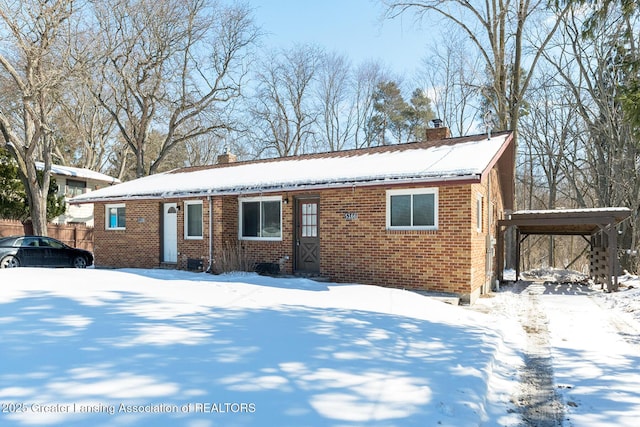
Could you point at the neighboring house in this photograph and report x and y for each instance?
(419, 216)
(74, 182)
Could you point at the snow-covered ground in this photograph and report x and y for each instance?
(172, 348)
(156, 347)
(593, 339)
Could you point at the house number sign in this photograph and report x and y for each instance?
(351, 216)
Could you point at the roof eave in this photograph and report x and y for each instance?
(465, 178)
(506, 169)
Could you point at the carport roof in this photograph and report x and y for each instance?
(583, 222)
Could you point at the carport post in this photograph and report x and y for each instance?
(517, 253)
(500, 253)
(612, 277)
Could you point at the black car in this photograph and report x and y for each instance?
(39, 251)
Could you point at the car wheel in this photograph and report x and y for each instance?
(79, 262)
(9, 262)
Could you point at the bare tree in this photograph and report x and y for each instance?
(204, 149)
(594, 69)
(499, 32)
(84, 130)
(591, 71)
(170, 68)
(368, 76)
(337, 113)
(549, 133)
(579, 102)
(35, 62)
(452, 74)
(283, 111)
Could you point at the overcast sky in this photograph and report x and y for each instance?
(350, 27)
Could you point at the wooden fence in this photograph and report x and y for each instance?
(75, 235)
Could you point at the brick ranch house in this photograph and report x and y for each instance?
(418, 216)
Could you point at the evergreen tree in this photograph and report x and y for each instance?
(390, 112)
(393, 115)
(11, 189)
(13, 197)
(419, 113)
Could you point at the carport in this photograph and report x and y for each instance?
(597, 226)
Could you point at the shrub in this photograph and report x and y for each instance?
(234, 258)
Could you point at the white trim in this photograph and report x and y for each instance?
(187, 203)
(210, 212)
(170, 232)
(261, 199)
(107, 224)
(412, 192)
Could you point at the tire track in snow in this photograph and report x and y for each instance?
(540, 404)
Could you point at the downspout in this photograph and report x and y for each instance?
(210, 266)
(490, 239)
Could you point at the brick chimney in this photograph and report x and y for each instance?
(226, 158)
(437, 132)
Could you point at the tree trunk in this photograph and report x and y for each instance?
(38, 206)
(36, 192)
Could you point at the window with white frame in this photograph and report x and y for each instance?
(479, 213)
(193, 219)
(260, 218)
(412, 209)
(115, 217)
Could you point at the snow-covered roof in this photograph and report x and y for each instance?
(79, 173)
(563, 211)
(451, 159)
(586, 221)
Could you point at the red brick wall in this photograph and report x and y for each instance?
(137, 246)
(364, 251)
(497, 214)
(140, 244)
(193, 248)
(478, 238)
(450, 259)
(226, 234)
(480, 241)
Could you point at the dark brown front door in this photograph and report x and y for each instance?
(308, 236)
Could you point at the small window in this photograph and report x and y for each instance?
(193, 220)
(260, 218)
(415, 209)
(479, 213)
(115, 217)
(75, 188)
(309, 226)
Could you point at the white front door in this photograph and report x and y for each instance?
(170, 232)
